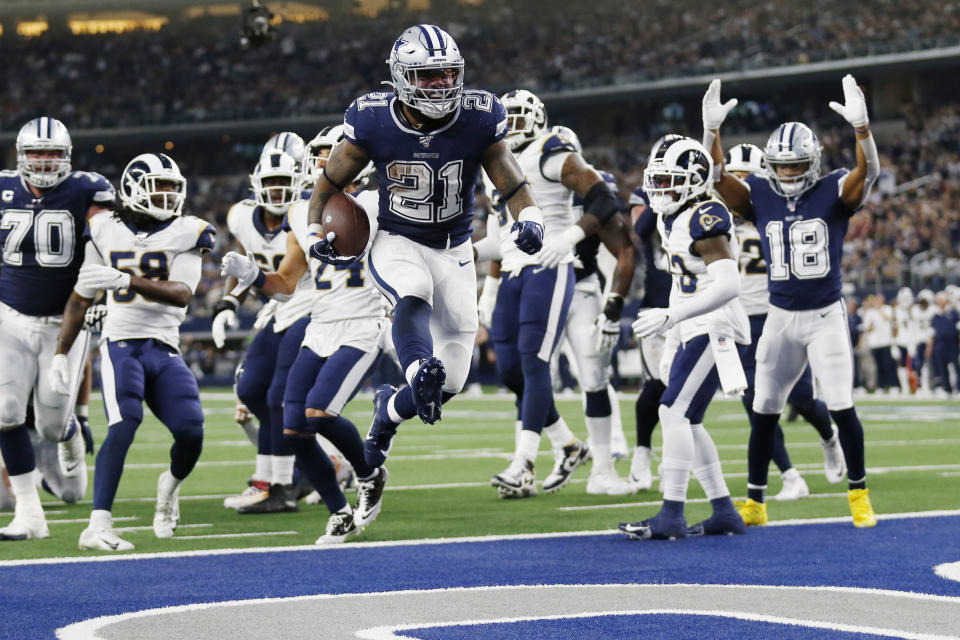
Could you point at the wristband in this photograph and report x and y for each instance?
(315, 229)
(531, 214)
(865, 129)
(574, 234)
(260, 280)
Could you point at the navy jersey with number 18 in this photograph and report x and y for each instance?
(426, 177)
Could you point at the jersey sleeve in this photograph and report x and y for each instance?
(498, 119)
(233, 220)
(207, 236)
(646, 224)
(711, 219)
(841, 175)
(359, 121)
(102, 192)
(554, 151)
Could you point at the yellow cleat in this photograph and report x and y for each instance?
(753, 513)
(862, 510)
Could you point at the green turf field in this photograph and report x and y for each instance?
(439, 484)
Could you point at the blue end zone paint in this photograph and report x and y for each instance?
(675, 627)
(897, 554)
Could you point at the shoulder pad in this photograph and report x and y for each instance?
(709, 219)
(100, 187)
(560, 139)
(359, 112)
(8, 173)
(639, 196)
(206, 237)
(285, 225)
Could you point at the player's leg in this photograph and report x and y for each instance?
(815, 411)
(253, 381)
(831, 360)
(69, 489)
(123, 383)
(707, 470)
(781, 359)
(693, 381)
(18, 374)
(174, 397)
(82, 407)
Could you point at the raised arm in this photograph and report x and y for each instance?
(857, 184)
(733, 191)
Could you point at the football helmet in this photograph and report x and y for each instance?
(678, 171)
(417, 56)
(526, 117)
(314, 161)
(288, 142)
(905, 297)
(792, 143)
(43, 135)
(153, 185)
(747, 158)
(278, 166)
(925, 295)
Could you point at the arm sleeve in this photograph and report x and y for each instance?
(90, 256)
(724, 288)
(186, 268)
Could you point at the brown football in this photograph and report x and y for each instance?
(344, 216)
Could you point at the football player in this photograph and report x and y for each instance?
(44, 206)
(742, 160)
(802, 218)
(706, 318)
(341, 344)
(262, 377)
(148, 257)
(428, 141)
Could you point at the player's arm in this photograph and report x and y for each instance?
(79, 301)
(599, 202)
(857, 184)
(73, 314)
(615, 235)
(291, 269)
(507, 177)
(180, 284)
(345, 163)
(734, 191)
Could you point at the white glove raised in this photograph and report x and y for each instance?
(652, 322)
(243, 268)
(555, 249)
(100, 277)
(715, 112)
(221, 322)
(488, 300)
(855, 109)
(59, 374)
(606, 333)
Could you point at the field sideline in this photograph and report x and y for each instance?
(439, 485)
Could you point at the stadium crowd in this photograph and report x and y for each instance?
(511, 44)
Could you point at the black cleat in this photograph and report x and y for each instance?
(280, 499)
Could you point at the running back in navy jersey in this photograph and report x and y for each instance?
(802, 241)
(42, 251)
(426, 177)
(656, 282)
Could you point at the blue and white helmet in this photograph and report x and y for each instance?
(678, 171)
(276, 198)
(747, 158)
(526, 117)
(314, 160)
(791, 144)
(153, 185)
(426, 48)
(288, 142)
(43, 135)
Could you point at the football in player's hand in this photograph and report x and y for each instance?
(345, 217)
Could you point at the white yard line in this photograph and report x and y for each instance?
(251, 534)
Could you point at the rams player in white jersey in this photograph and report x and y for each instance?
(148, 257)
(341, 344)
(742, 160)
(257, 226)
(704, 312)
(535, 292)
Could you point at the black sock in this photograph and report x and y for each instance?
(647, 407)
(317, 466)
(851, 439)
(760, 452)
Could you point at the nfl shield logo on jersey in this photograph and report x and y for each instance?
(425, 141)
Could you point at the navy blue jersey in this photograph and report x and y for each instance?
(426, 177)
(802, 241)
(944, 326)
(588, 248)
(42, 251)
(656, 281)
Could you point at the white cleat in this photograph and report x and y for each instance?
(794, 486)
(640, 476)
(72, 455)
(250, 496)
(167, 514)
(517, 481)
(608, 483)
(103, 539)
(26, 526)
(619, 449)
(834, 466)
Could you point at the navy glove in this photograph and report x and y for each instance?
(322, 249)
(528, 236)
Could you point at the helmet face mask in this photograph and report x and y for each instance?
(791, 159)
(426, 71)
(275, 181)
(152, 184)
(44, 149)
(678, 171)
(318, 150)
(526, 117)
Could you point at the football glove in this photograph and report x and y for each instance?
(555, 249)
(854, 110)
(243, 268)
(527, 235)
(652, 322)
(715, 112)
(322, 248)
(93, 318)
(58, 377)
(100, 277)
(606, 332)
(488, 300)
(224, 317)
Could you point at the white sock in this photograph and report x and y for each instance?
(283, 469)
(598, 428)
(411, 372)
(559, 433)
(392, 410)
(101, 518)
(528, 445)
(706, 464)
(82, 410)
(517, 428)
(24, 489)
(171, 481)
(602, 460)
(264, 468)
(790, 474)
(678, 453)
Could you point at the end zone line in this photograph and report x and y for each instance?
(657, 503)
